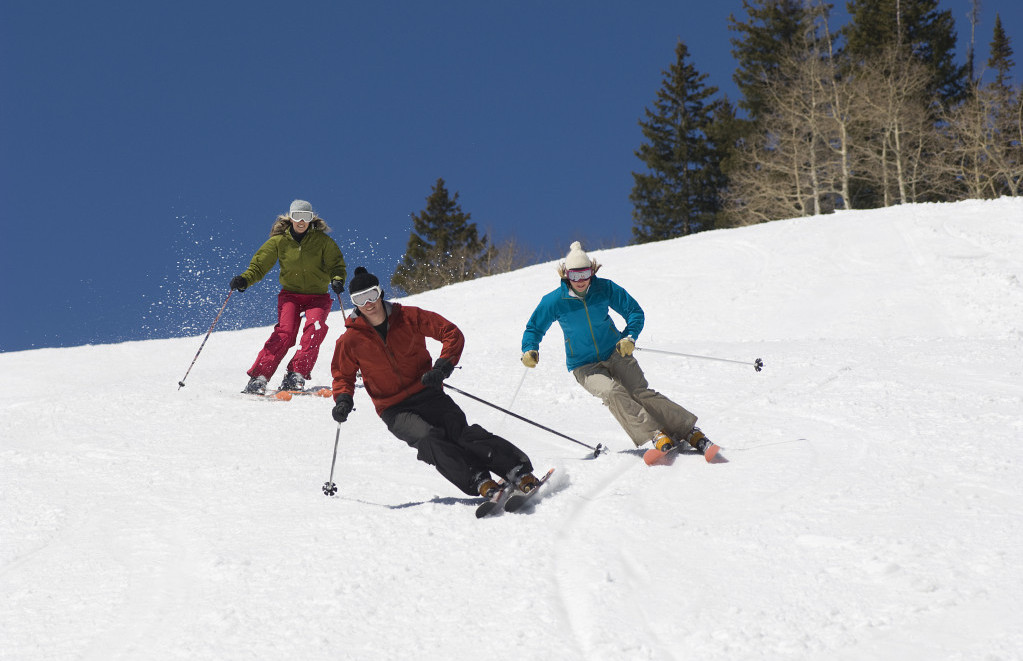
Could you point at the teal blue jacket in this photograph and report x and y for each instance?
(590, 333)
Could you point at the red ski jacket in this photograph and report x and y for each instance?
(391, 370)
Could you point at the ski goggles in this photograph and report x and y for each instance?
(578, 275)
(367, 296)
(302, 216)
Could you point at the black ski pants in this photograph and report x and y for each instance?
(432, 423)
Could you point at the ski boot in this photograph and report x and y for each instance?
(488, 488)
(292, 381)
(703, 445)
(662, 442)
(527, 483)
(523, 479)
(256, 386)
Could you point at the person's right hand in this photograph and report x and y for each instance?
(531, 358)
(239, 283)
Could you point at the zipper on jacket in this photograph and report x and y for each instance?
(589, 323)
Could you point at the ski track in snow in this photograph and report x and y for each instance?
(869, 509)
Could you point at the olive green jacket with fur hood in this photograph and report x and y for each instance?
(307, 267)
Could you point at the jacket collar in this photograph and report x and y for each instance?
(356, 317)
(568, 292)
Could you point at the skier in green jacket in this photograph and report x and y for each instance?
(310, 262)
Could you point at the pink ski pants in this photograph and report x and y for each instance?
(290, 306)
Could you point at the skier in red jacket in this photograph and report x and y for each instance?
(387, 342)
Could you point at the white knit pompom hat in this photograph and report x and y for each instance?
(577, 257)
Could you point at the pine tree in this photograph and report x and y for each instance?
(773, 26)
(1005, 117)
(443, 247)
(680, 193)
(726, 131)
(917, 29)
(1001, 55)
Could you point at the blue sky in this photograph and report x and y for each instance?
(147, 147)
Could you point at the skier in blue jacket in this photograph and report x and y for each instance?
(600, 356)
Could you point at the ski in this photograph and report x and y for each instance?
(286, 395)
(711, 453)
(655, 457)
(495, 502)
(519, 500)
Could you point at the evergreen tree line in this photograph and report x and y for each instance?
(872, 114)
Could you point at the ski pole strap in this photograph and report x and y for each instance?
(757, 364)
(596, 450)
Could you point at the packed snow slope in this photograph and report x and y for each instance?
(871, 508)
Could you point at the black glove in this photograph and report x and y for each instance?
(342, 407)
(442, 369)
(338, 285)
(239, 283)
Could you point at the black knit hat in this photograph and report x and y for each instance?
(362, 280)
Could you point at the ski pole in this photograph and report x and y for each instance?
(521, 381)
(329, 488)
(181, 383)
(757, 364)
(596, 450)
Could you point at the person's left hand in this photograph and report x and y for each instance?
(442, 369)
(342, 407)
(338, 285)
(625, 346)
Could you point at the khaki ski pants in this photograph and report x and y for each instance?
(619, 382)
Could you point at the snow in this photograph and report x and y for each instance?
(872, 507)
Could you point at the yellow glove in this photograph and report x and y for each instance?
(625, 347)
(531, 358)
